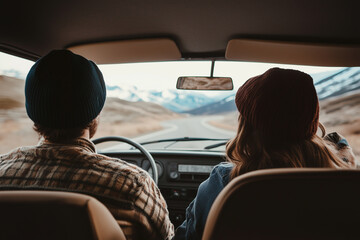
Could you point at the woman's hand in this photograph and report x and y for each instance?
(341, 148)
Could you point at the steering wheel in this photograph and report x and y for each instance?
(136, 145)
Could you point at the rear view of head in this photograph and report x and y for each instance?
(281, 105)
(278, 121)
(64, 94)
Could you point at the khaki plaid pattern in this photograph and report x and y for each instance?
(128, 191)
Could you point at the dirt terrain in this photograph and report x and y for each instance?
(129, 119)
(123, 118)
(342, 114)
(119, 117)
(338, 114)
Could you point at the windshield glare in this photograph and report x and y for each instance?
(144, 104)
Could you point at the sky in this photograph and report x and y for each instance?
(163, 75)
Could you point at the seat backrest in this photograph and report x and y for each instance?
(55, 215)
(288, 204)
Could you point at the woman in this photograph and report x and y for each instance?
(278, 121)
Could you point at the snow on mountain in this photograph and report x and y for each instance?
(226, 104)
(338, 83)
(322, 75)
(126, 94)
(328, 84)
(175, 100)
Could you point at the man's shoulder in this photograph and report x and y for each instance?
(98, 164)
(16, 151)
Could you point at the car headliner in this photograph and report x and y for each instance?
(201, 28)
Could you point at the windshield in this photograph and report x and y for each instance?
(144, 104)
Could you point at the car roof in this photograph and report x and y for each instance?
(200, 29)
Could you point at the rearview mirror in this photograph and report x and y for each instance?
(205, 83)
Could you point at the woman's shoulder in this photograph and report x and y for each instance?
(224, 167)
(222, 170)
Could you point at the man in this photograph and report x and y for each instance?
(64, 96)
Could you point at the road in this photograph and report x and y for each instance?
(193, 126)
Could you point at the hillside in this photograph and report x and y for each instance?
(338, 83)
(328, 84)
(342, 114)
(11, 92)
(338, 114)
(130, 110)
(225, 105)
(173, 99)
(119, 117)
(15, 126)
(124, 118)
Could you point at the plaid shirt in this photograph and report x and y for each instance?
(127, 190)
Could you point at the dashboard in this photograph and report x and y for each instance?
(180, 174)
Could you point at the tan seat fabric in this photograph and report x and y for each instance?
(55, 215)
(287, 204)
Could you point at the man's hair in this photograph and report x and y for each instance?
(65, 135)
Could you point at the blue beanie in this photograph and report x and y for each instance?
(64, 90)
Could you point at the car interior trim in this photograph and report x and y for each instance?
(128, 51)
(293, 53)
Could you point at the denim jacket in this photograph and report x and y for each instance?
(199, 208)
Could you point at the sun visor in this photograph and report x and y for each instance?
(293, 53)
(127, 51)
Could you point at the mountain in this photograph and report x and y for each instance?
(175, 100)
(11, 92)
(328, 84)
(118, 118)
(124, 118)
(13, 73)
(338, 83)
(12, 97)
(224, 105)
(119, 110)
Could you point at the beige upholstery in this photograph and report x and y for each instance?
(55, 215)
(288, 204)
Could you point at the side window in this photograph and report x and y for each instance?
(15, 126)
(339, 96)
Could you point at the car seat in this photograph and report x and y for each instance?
(287, 204)
(55, 215)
